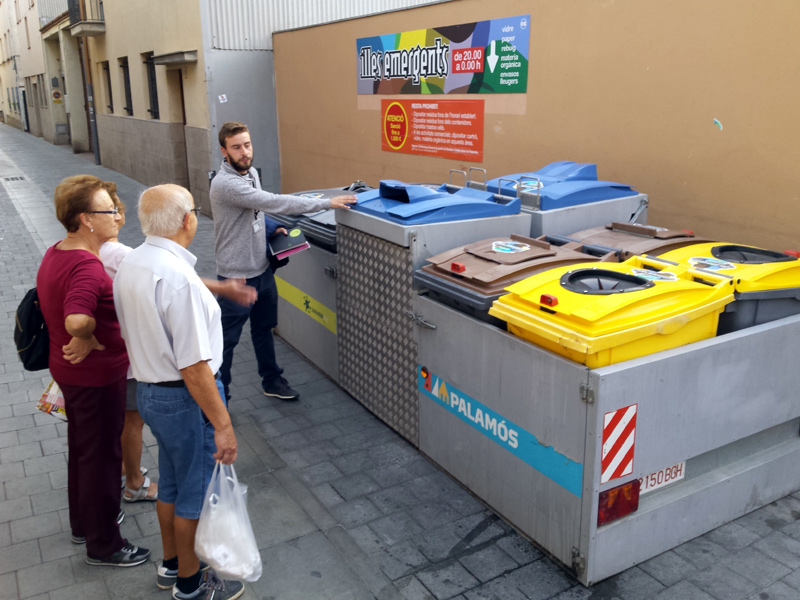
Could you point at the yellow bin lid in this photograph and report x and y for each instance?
(753, 269)
(603, 314)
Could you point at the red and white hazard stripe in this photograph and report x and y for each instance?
(619, 432)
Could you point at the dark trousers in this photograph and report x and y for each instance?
(263, 317)
(95, 416)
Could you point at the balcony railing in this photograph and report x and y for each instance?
(86, 17)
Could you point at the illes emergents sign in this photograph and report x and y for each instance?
(487, 57)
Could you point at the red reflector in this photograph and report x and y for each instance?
(548, 300)
(794, 253)
(687, 231)
(618, 502)
(457, 267)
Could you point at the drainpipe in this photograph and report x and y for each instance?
(86, 71)
(87, 79)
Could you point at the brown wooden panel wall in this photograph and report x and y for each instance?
(632, 85)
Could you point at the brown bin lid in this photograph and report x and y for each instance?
(633, 239)
(489, 266)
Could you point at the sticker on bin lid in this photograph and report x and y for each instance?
(710, 263)
(530, 185)
(314, 195)
(507, 247)
(655, 275)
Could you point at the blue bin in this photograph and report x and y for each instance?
(559, 185)
(409, 204)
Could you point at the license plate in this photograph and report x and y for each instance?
(661, 478)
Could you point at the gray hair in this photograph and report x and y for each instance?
(162, 209)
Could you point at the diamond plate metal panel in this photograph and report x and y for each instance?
(377, 349)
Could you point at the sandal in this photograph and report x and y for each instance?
(140, 495)
(142, 469)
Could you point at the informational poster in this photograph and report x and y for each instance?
(444, 128)
(487, 57)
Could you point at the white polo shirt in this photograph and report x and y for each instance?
(169, 319)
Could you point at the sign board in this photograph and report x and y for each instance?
(444, 128)
(487, 57)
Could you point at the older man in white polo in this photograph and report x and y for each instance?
(171, 326)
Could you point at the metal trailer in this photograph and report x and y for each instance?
(711, 429)
(377, 260)
(307, 285)
(307, 307)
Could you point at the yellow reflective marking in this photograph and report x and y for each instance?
(305, 303)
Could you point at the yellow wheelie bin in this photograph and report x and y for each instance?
(601, 314)
(766, 283)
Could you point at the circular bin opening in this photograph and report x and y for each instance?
(748, 255)
(601, 282)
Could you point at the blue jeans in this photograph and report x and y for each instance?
(186, 445)
(263, 317)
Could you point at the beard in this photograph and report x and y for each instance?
(242, 165)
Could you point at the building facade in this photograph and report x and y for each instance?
(145, 85)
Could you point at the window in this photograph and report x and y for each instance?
(42, 91)
(150, 68)
(126, 84)
(27, 33)
(107, 77)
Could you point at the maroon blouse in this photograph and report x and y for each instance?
(75, 282)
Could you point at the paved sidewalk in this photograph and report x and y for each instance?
(342, 507)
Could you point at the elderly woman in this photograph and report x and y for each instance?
(89, 362)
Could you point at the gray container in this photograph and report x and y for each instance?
(754, 308)
(307, 307)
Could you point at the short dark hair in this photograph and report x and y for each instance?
(73, 196)
(230, 129)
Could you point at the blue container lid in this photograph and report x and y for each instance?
(560, 184)
(409, 204)
(555, 172)
(574, 193)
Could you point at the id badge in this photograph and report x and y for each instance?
(257, 225)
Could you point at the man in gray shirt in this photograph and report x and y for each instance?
(241, 232)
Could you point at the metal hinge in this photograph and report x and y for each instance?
(642, 207)
(419, 320)
(331, 272)
(587, 394)
(578, 560)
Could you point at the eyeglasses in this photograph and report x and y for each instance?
(196, 210)
(114, 211)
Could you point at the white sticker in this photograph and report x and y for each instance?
(655, 275)
(510, 247)
(223, 98)
(531, 185)
(661, 478)
(712, 264)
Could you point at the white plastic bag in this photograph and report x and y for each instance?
(224, 537)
